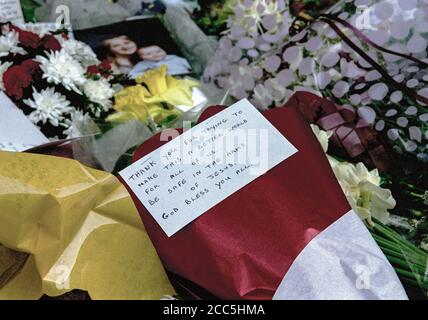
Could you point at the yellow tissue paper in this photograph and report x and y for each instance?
(64, 226)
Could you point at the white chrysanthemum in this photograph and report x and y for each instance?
(61, 68)
(3, 69)
(79, 51)
(49, 106)
(322, 136)
(9, 44)
(100, 92)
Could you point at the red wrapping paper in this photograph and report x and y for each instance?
(353, 137)
(243, 247)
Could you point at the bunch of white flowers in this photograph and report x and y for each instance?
(80, 51)
(9, 44)
(258, 59)
(67, 67)
(51, 77)
(61, 68)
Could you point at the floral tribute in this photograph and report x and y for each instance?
(54, 79)
(368, 59)
(367, 55)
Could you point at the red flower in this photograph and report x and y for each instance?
(51, 43)
(105, 65)
(101, 69)
(16, 79)
(93, 70)
(27, 38)
(31, 66)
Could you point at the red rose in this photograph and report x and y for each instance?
(31, 66)
(16, 79)
(51, 43)
(93, 70)
(105, 65)
(27, 39)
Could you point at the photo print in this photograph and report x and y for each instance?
(135, 46)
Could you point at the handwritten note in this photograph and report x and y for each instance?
(189, 175)
(10, 10)
(17, 133)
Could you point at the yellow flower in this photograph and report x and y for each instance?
(361, 186)
(154, 79)
(130, 105)
(167, 89)
(157, 102)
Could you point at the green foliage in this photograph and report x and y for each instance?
(28, 8)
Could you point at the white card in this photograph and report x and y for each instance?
(10, 10)
(17, 133)
(189, 175)
(14, 146)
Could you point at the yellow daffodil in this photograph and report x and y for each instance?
(156, 100)
(167, 89)
(155, 80)
(130, 105)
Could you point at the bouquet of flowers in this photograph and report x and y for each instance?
(368, 58)
(365, 192)
(272, 245)
(364, 54)
(145, 106)
(153, 100)
(54, 79)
